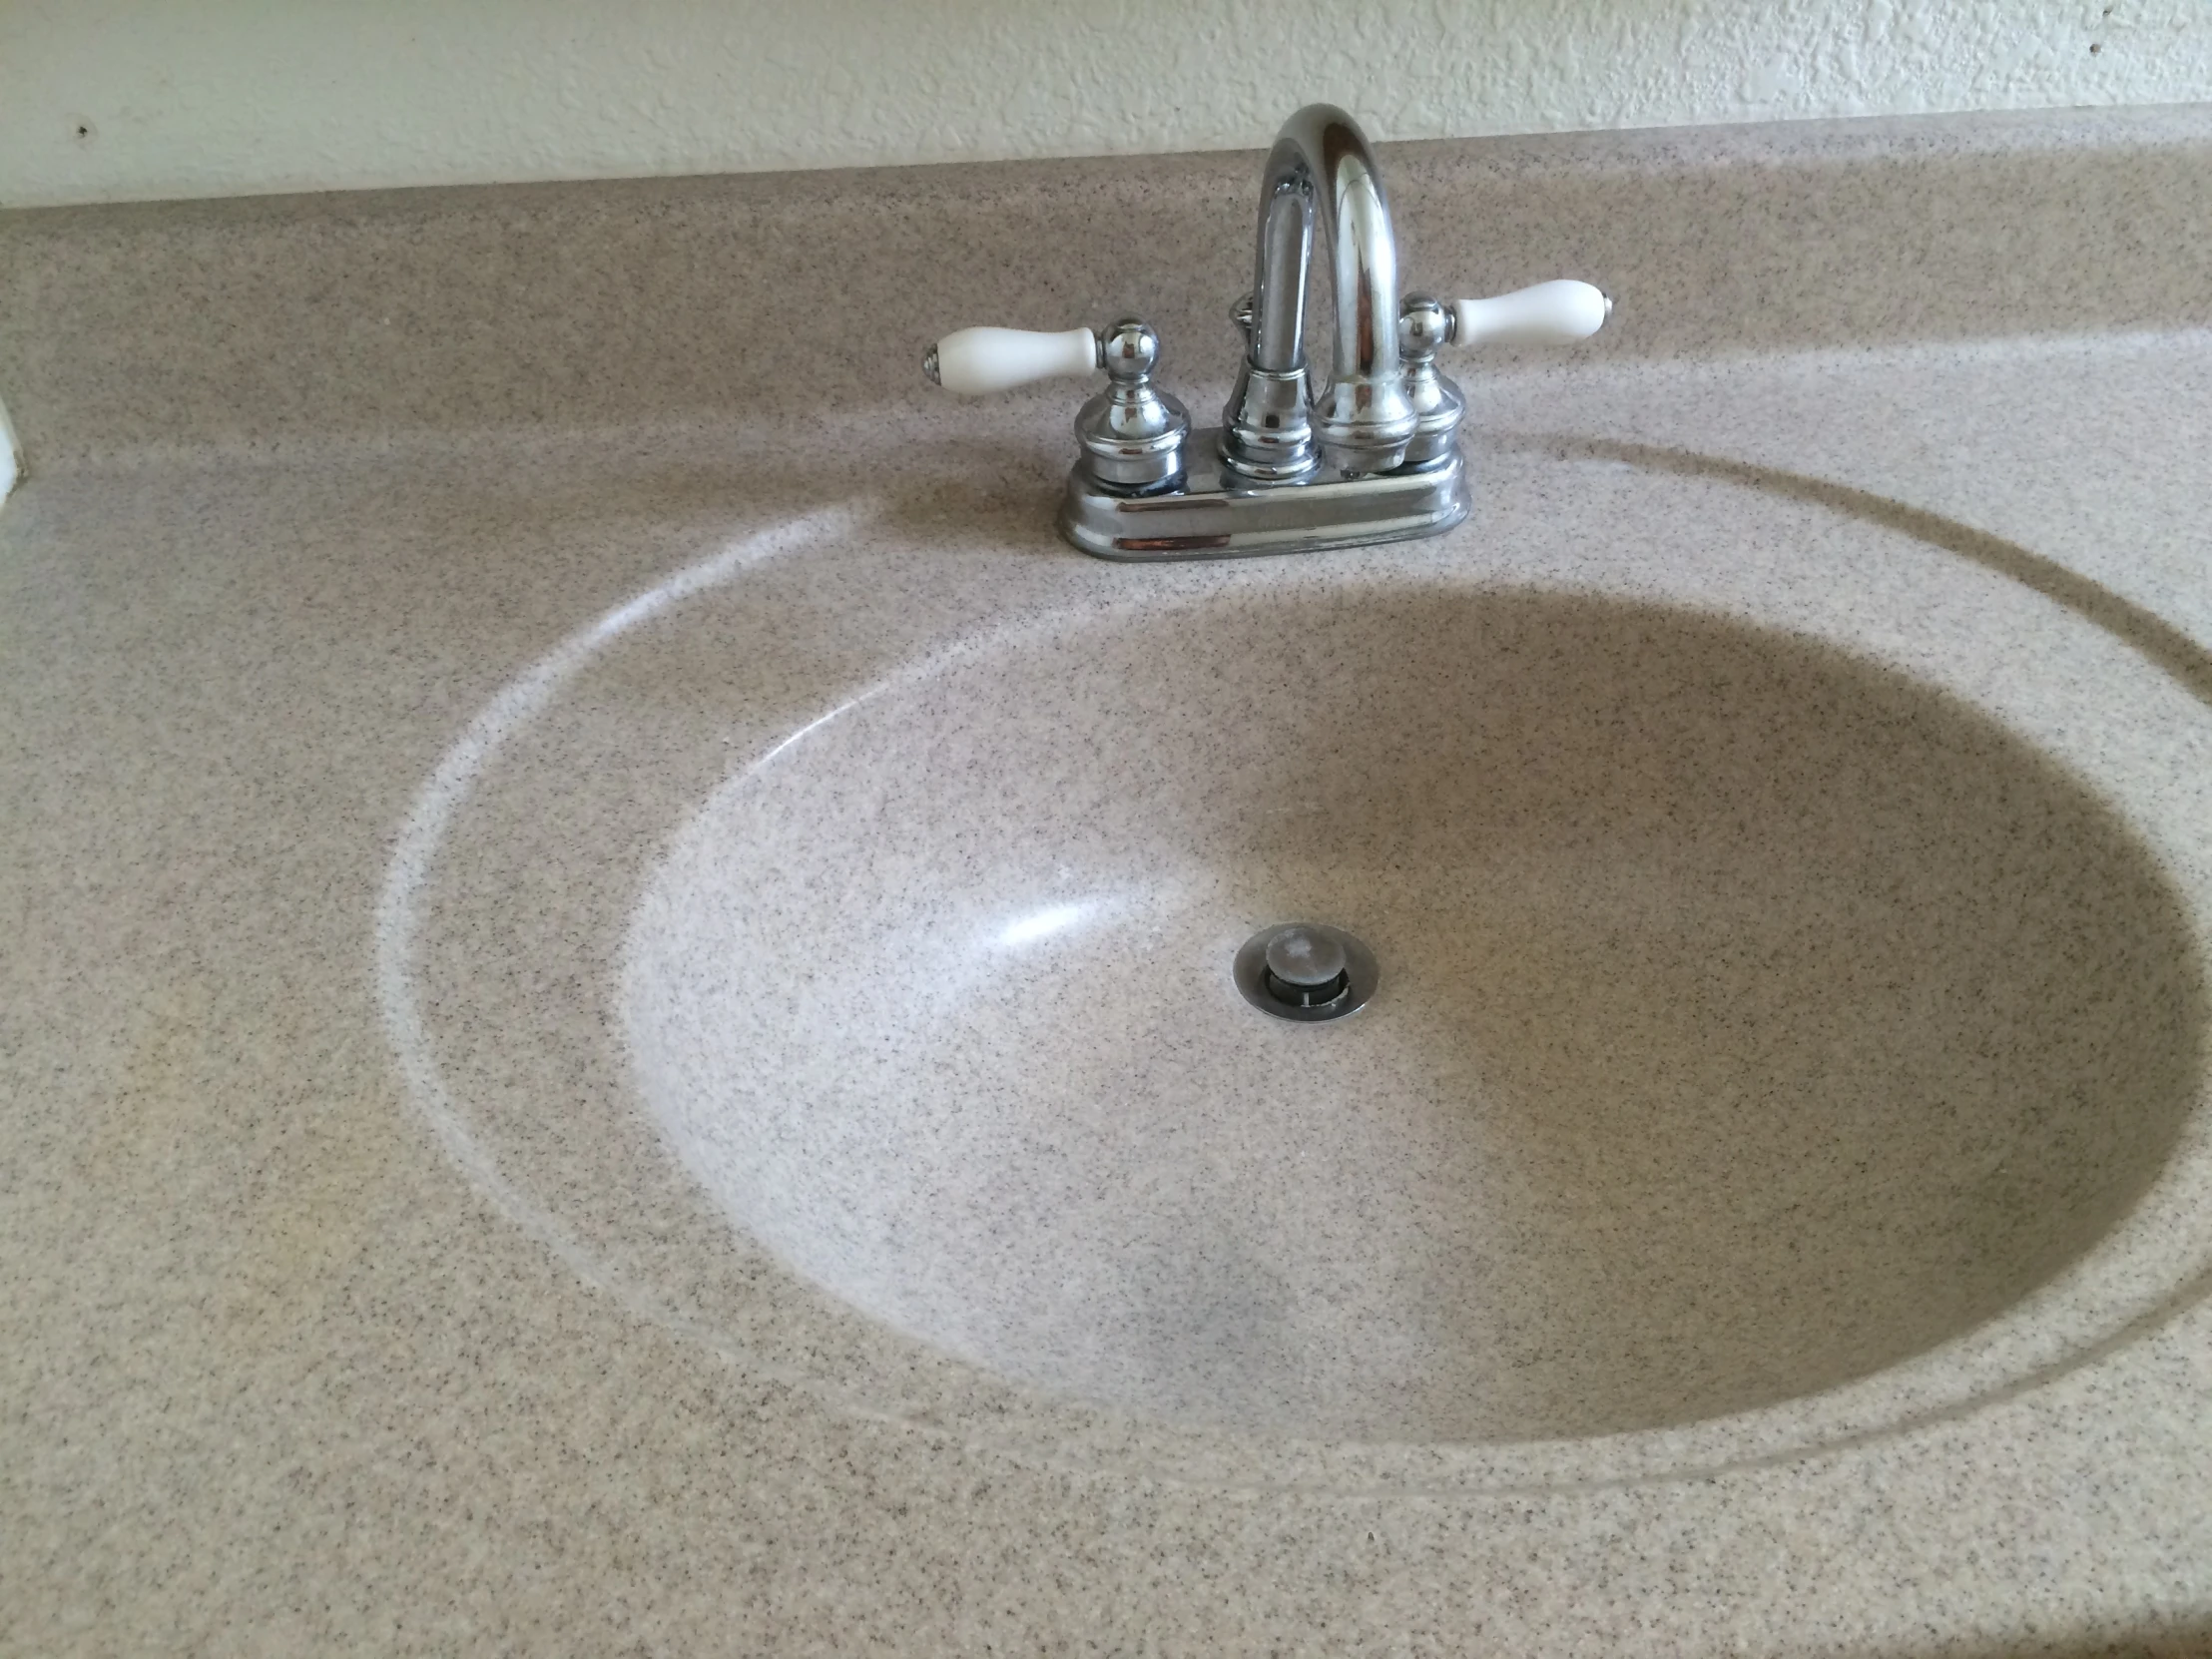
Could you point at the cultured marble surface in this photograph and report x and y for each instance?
(347, 1297)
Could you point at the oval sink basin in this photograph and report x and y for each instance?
(1751, 1017)
(1786, 1019)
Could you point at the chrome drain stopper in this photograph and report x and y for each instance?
(1304, 970)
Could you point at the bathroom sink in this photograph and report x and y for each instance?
(1777, 1010)
(1750, 1018)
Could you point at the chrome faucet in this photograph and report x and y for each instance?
(1370, 456)
(1320, 167)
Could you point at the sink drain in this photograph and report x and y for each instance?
(1306, 971)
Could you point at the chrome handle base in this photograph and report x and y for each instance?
(1131, 435)
(1214, 513)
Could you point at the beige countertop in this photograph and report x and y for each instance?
(292, 1364)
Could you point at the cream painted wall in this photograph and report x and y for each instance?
(103, 100)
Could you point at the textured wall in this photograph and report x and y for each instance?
(120, 99)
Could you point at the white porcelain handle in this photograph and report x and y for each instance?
(976, 360)
(1550, 313)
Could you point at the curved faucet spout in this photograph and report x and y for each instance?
(1361, 418)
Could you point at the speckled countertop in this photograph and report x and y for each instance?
(315, 484)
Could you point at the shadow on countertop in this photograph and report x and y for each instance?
(2190, 1640)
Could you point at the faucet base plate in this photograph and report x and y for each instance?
(1215, 516)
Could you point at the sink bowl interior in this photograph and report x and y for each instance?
(1751, 1017)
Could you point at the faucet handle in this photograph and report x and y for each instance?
(1550, 313)
(1131, 433)
(977, 360)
